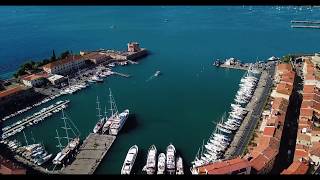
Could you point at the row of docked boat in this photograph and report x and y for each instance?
(35, 153)
(45, 100)
(221, 137)
(99, 75)
(34, 119)
(114, 123)
(167, 163)
(73, 142)
(74, 88)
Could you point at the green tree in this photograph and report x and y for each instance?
(64, 54)
(53, 57)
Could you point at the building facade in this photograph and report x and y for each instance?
(65, 66)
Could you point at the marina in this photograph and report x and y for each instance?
(189, 97)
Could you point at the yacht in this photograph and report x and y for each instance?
(161, 163)
(179, 166)
(129, 160)
(150, 166)
(171, 151)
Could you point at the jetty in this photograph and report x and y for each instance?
(121, 74)
(305, 22)
(90, 154)
(32, 118)
(301, 26)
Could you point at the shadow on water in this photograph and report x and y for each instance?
(130, 124)
(140, 161)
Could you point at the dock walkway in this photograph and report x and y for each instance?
(26, 121)
(91, 152)
(255, 107)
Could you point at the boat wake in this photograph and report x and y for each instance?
(153, 76)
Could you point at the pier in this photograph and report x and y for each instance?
(91, 152)
(255, 108)
(240, 67)
(121, 74)
(304, 26)
(305, 22)
(26, 121)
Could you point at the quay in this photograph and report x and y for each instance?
(306, 22)
(26, 121)
(121, 74)
(255, 108)
(90, 154)
(240, 67)
(33, 166)
(301, 26)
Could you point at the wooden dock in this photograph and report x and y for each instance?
(91, 153)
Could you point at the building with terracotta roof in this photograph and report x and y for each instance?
(64, 66)
(233, 166)
(13, 95)
(315, 154)
(96, 57)
(34, 80)
(296, 168)
(7, 167)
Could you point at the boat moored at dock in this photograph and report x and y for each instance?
(129, 160)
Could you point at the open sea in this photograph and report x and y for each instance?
(179, 106)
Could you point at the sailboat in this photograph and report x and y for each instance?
(100, 122)
(72, 145)
(117, 120)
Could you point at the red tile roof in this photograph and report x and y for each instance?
(225, 167)
(269, 131)
(68, 59)
(284, 67)
(35, 76)
(315, 150)
(296, 168)
(10, 91)
(284, 88)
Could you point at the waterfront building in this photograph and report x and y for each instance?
(296, 168)
(8, 167)
(307, 149)
(133, 52)
(34, 80)
(56, 79)
(13, 96)
(133, 47)
(232, 166)
(65, 66)
(263, 155)
(96, 57)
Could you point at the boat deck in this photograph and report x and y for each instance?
(92, 151)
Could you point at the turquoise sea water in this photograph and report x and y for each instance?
(178, 106)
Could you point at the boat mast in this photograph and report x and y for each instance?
(34, 141)
(113, 106)
(65, 127)
(98, 108)
(59, 145)
(105, 112)
(25, 138)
